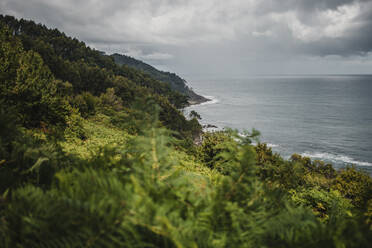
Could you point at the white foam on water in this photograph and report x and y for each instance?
(212, 129)
(335, 158)
(243, 135)
(213, 100)
(272, 145)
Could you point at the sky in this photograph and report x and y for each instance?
(223, 38)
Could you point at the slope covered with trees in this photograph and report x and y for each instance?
(175, 82)
(83, 74)
(97, 155)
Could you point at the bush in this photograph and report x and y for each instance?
(323, 203)
(109, 99)
(354, 185)
(86, 103)
(213, 144)
(74, 127)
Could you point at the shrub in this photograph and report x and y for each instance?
(109, 99)
(74, 127)
(213, 144)
(354, 185)
(323, 203)
(86, 103)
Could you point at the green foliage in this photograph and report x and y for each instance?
(98, 132)
(368, 214)
(323, 203)
(86, 103)
(213, 144)
(74, 126)
(110, 99)
(354, 185)
(29, 85)
(23, 157)
(175, 82)
(90, 72)
(297, 227)
(136, 194)
(10, 49)
(123, 171)
(297, 172)
(35, 93)
(315, 184)
(194, 114)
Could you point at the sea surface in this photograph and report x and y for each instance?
(321, 117)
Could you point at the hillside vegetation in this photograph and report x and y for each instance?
(93, 154)
(175, 82)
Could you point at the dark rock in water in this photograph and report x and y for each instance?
(209, 126)
(196, 99)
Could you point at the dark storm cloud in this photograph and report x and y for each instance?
(355, 40)
(232, 34)
(323, 27)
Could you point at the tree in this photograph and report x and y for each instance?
(194, 114)
(28, 84)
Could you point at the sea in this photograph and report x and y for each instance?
(325, 117)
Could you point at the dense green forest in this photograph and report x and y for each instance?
(175, 82)
(94, 154)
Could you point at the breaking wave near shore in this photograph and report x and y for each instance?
(335, 158)
(212, 100)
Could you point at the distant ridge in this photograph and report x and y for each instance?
(174, 81)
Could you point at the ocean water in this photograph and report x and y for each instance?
(322, 117)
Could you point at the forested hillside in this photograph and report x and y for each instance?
(172, 79)
(93, 154)
(85, 73)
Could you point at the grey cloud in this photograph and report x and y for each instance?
(215, 34)
(356, 41)
(305, 6)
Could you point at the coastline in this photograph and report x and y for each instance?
(199, 100)
(196, 99)
(336, 159)
(202, 100)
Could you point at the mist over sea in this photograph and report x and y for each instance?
(322, 117)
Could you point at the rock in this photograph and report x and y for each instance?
(209, 126)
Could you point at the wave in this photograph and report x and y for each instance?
(272, 145)
(212, 129)
(212, 100)
(335, 158)
(267, 144)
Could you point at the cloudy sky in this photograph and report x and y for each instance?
(218, 37)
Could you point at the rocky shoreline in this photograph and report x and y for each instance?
(196, 99)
